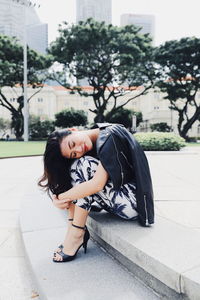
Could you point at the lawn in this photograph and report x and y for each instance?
(193, 144)
(8, 149)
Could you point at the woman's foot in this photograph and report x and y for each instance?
(73, 240)
(61, 245)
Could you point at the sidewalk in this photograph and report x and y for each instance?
(176, 186)
(16, 282)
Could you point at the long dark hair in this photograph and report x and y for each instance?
(56, 177)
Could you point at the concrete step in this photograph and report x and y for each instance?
(164, 256)
(96, 275)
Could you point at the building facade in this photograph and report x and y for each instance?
(13, 18)
(146, 22)
(100, 10)
(53, 99)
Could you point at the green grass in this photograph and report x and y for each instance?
(9, 149)
(193, 144)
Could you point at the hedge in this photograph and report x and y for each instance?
(160, 141)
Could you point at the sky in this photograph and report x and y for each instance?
(174, 19)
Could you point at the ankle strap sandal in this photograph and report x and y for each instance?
(84, 228)
(65, 256)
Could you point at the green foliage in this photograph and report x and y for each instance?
(33, 119)
(124, 116)
(161, 127)
(179, 66)
(11, 74)
(11, 63)
(4, 125)
(70, 117)
(159, 141)
(41, 129)
(109, 57)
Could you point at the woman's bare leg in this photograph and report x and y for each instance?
(70, 215)
(74, 236)
(80, 216)
(70, 211)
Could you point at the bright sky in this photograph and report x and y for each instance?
(173, 18)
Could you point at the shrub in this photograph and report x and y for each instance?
(159, 141)
(162, 127)
(192, 139)
(124, 116)
(70, 117)
(41, 129)
(4, 126)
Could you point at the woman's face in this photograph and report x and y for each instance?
(76, 145)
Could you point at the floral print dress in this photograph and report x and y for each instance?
(118, 202)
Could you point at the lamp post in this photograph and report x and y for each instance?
(134, 122)
(24, 4)
(171, 120)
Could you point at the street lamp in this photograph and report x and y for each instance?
(24, 4)
(134, 122)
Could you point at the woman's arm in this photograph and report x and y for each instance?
(87, 188)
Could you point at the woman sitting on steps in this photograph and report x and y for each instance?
(103, 166)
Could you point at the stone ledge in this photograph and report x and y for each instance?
(95, 275)
(165, 256)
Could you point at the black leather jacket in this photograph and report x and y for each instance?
(125, 161)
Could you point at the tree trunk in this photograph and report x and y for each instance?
(18, 125)
(187, 126)
(99, 118)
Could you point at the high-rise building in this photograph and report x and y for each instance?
(146, 22)
(100, 10)
(37, 37)
(12, 22)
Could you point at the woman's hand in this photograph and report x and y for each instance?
(62, 204)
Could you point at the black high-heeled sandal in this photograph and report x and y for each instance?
(66, 257)
(61, 245)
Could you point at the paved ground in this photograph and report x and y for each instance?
(176, 186)
(177, 194)
(16, 282)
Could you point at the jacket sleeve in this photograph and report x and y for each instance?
(110, 162)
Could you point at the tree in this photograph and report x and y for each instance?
(41, 129)
(162, 127)
(114, 60)
(124, 116)
(70, 117)
(33, 119)
(11, 75)
(179, 64)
